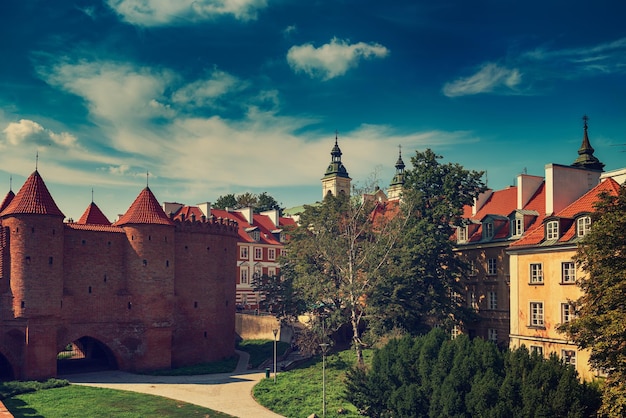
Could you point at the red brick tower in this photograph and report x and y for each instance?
(33, 225)
(150, 272)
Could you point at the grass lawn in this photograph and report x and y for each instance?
(298, 393)
(261, 350)
(82, 401)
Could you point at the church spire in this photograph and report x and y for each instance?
(586, 159)
(397, 183)
(336, 178)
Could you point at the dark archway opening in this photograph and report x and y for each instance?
(6, 371)
(85, 355)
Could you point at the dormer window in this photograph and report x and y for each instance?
(489, 230)
(552, 230)
(583, 225)
(461, 232)
(517, 227)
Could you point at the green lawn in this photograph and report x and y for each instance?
(298, 393)
(83, 401)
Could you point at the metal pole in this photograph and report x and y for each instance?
(275, 331)
(324, 347)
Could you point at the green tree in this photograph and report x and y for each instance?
(433, 376)
(266, 202)
(601, 311)
(247, 200)
(334, 258)
(226, 201)
(416, 290)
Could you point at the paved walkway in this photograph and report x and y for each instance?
(230, 393)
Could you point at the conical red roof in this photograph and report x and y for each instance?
(93, 216)
(33, 198)
(145, 210)
(7, 199)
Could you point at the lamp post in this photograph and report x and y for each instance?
(324, 347)
(275, 331)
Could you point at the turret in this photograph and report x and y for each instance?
(397, 183)
(336, 179)
(586, 159)
(33, 226)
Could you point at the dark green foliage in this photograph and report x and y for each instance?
(259, 203)
(9, 389)
(433, 376)
(601, 312)
(416, 287)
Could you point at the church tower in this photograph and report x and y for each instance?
(397, 183)
(586, 159)
(336, 179)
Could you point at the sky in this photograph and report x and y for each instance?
(202, 98)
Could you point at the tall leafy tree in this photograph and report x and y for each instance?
(601, 311)
(225, 201)
(266, 202)
(421, 286)
(335, 257)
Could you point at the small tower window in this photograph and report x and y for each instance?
(145, 263)
(50, 260)
(83, 242)
(22, 304)
(90, 290)
(195, 304)
(105, 278)
(32, 230)
(167, 263)
(130, 305)
(27, 259)
(149, 237)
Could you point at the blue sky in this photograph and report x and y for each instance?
(230, 96)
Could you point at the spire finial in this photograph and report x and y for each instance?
(585, 119)
(147, 178)
(400, 150)
(36, 160)
(92, 195)
(336, 136)
(11, 182)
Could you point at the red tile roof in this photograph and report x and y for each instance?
(33, 198)
(584, 204)
(501, 202)
(7, 199)
(145, 210)
(94, 227)
(94, 216)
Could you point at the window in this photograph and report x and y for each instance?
(583, 225)
(243, 253)
(492, 335)
(536, 273)
(536, 314)
(456, 331)
(472, 268)
(258, 272)
(517, 226)
(271, 254)
(271, 271)
(455, 297)
(569, 357)
(552, 230)
(258, 253)
(256, 235)
(462, 234)
(491, 267)
(472, 302)
(493, 300)
(567, 312)
(568, 272)
(489, 230)
(243, 275)
(537, 349)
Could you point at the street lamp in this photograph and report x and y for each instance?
(275, 331)
(324, 347)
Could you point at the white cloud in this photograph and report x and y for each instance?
(333, 59)
(205, 92)
(488, 79)
(541, 65)
(183, 12)
(26, 130)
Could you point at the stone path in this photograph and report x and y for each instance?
(230, 393)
